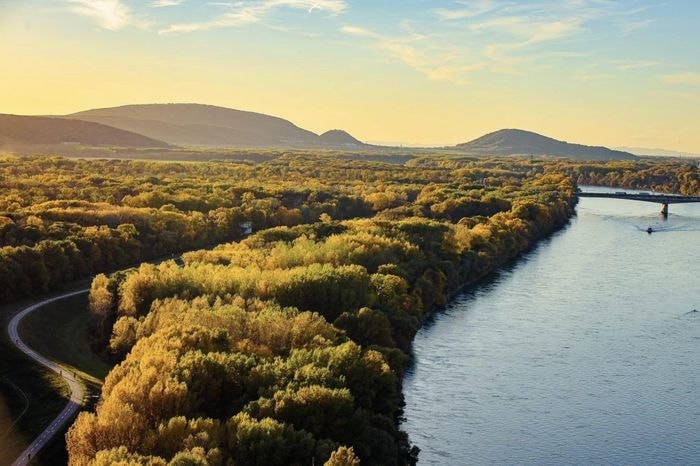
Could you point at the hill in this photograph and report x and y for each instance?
(340, 138)
(22, 131)
(519, 142)
(210, 126)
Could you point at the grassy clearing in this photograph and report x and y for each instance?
(59, 330)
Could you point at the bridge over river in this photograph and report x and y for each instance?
(663, 199)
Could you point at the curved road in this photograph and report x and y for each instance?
(77, 391)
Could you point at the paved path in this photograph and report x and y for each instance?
(77, 391)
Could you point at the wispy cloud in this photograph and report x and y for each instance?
(360, 31)
(465, 10)
(634, 26)
(502, 35)
(611, 69)
(508, 36)
(629, 65)
(514, 33)
(682, 78)
(165, 3)
(532, 31)
(109, 14)
(525, 35)
(420, 53)
(248, 12)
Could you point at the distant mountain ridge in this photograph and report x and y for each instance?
(209, 126)
(506, 142)
(212, 126)
(18, 130)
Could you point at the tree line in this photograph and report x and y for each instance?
(681, 177)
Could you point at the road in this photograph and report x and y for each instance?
(77, 390)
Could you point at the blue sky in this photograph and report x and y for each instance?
(414, 71)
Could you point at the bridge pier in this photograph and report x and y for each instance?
(664, 210)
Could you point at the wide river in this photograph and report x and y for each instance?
(585, 351)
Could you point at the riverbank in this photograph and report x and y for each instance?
(469, 284)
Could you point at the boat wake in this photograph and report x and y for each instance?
(666, 228)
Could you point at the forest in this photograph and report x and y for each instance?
(282, 335)
(663, 176)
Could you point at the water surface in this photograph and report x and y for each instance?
(583, 352)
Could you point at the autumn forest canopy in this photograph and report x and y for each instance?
(282, 335)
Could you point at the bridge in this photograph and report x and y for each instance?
(663, 199)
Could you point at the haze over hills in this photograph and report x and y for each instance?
(212, 126)
(657, 152)
(507, 142)
(19, 131)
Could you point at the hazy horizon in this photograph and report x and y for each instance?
(415, 73)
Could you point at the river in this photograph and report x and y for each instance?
(585, 351)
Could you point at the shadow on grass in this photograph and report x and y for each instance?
(11, 442)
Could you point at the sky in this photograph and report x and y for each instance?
(413, 72)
